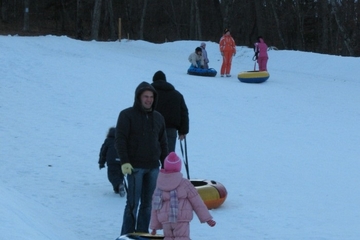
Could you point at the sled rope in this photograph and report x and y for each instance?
(185, 158)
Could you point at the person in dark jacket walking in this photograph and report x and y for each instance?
(109, 156)
(172, 106)
(141, 143)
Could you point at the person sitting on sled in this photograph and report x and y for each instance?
(196, 59)
(261, 55)
(204, 54)
(173, 202)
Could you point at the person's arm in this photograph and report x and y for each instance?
(121, 137)
(163, 143)
(192, 59)
(184, 119)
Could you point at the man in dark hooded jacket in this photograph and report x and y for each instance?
(172, 106)
(141, 143)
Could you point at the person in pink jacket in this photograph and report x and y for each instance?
(173, 203)
(261, 55)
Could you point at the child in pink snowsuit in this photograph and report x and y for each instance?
(262, 56)
(173, 203)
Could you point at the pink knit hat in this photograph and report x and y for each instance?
(172, 163)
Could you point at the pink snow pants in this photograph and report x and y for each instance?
(176, 231)
(262, 61)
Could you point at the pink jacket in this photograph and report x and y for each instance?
(188, 198)
(262, 48)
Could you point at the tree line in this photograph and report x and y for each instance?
(322, 26)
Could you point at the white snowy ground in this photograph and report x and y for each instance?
(287, 150)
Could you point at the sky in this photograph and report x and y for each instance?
(287, 150)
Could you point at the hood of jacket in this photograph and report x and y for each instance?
(111, 133)
(168, 181)
(162, 85)
(142, 87)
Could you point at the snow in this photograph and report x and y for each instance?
(286, 150)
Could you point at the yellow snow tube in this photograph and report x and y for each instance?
(211, 192)
(253, 76)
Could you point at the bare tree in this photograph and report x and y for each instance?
(197, 21)
(259, 16)
(142, 20)
(173, 17)
(300, 23)
(226, 13)
(341, 28)
(26, 15)
(278, 27)
(4, 10)
(96, 20)
(109, 18)
(325, 26)
(79, 20)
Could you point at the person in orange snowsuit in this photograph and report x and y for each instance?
(227, 50)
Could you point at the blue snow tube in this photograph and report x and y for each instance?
(140, 236)
(210, 72)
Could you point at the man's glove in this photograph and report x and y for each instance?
(126, 168)
(211, 223)
(101, 166)
(153, 232)
(182, 137)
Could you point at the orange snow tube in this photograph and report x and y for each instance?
(212, 193)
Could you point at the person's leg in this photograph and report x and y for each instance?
(181, 230)
(265, 63)
(171, 136)
(261, 63)
(228, 62)
(198, 63)
(223, 65)
(115, 178)
(134, 183)
(168, 233)
(120, 175)
(148, 188)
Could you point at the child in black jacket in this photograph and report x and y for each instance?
(109, 155)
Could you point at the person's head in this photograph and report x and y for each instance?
(147, 99)
(111, 132)
(203, 45)
(260, 39)
(145, 96)
(159, 76)
(198, 50)
(227, 31)
(172, 163)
